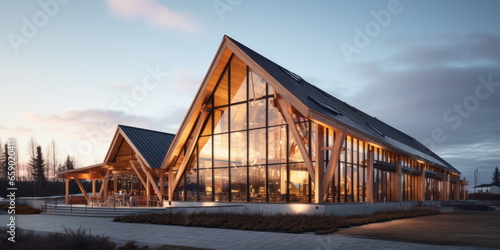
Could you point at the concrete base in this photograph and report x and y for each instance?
(338, 209)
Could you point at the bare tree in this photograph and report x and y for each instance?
(32, 147)
(53, 153)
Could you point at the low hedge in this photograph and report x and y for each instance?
(269, 223)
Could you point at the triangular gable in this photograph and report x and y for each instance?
(307, 99)
(150, 146)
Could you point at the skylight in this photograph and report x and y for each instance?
(375, 129)
(292, 75)
(326, 106)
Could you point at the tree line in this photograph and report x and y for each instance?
(37, 176)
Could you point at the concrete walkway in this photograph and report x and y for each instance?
(157, 235)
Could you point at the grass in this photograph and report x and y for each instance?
(269, 223)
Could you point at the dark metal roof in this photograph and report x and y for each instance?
(328, 105)
(152, 145)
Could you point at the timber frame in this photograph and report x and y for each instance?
(123, 159)
(289, 106)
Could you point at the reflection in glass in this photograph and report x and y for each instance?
(238, 148)
(238, 117)
(239, 184)
(277, 145)
(205, 186)
(257, 86)
(257, 183)
(277, 183)
(299, 183)
(221, 150)
(257, 147)
(221, 184)
(257, 114)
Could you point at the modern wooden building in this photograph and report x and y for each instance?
(259, 133)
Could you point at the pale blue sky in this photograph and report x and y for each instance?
(67, 78)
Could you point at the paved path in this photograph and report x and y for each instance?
(157, 235)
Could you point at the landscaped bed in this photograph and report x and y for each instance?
(269, 223)
(79, 239)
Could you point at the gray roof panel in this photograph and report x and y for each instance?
(152, 145)
(328, 105)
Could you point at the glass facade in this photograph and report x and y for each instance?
(247, 153)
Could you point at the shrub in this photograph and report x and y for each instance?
(270, 223)
(483, 196)
(21, 209)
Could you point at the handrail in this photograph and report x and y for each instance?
(52, 200)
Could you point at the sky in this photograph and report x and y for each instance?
(71, 71)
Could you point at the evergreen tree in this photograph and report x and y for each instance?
(68, 164)
(38, 169)
(5, 163)
(496, 177)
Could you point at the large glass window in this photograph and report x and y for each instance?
(246, 152)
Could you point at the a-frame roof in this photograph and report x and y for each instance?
(150, 145)
(310, 101)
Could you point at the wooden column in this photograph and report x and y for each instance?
(115, 186)
(446, 187)
(93, 186)
(421, 183)
(333, 162)
(162, 183)
(170, 185)
(67, 191)
(398, 184)
(369, 177)
(458, 185)
(319, 167)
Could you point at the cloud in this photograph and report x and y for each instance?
(153, 13)
(88, 133)
(452, 49)
(414, 88)
(183, 80)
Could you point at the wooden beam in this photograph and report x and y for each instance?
(151, 181)
(369, 176)
(93, 186)
(84, 192)
(138, 174)
(333, 162)
(286, 111)
(104, 184)
(67, 191)
(319, 166)
(191, 144)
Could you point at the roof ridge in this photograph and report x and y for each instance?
(151, 130)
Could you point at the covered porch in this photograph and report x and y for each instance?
(130, 174)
